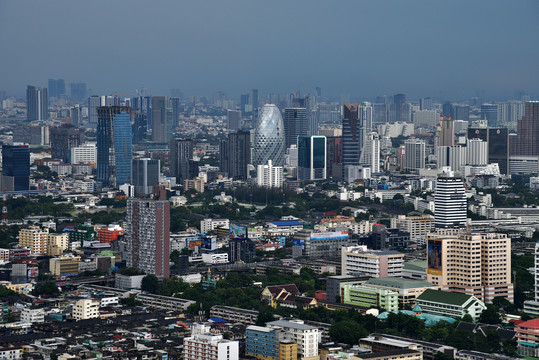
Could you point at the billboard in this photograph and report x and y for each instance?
(434, 256)
(298, 242)
(238, 232)
(330, 235)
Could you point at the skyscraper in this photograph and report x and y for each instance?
(37, 103)
(461, 112)
(370, 156)
(62, 139)
(397, 108)
(148, 234)
(181, 152)
(334, 154)
(425, 103)
(269, 142)
(253, 97)
(447, 110)
(16, 167)
(78, 92)
(174, 103)
(162, 119)
(235, 154)
(446, 135)
(57, 88)
(94, 102)
(528, 131)
(352, 140)
(312, 157)
(140, 127)
(145, 175)
(365, 117)
(476, 152)
(449, 201)
(414, 154)
(490, 112)
(497, 140)
(296, 124)
(234, 120)
(114, 145)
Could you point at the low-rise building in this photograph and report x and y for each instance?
(408, 289)
(417, 226)
(528, 338)
(165, 302)
(320, 244)
(370, 297)
(32, 316)
(204, 346)
(64, 266)
(234, 315)
(451, 304)
(208, 225)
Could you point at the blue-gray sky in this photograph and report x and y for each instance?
(446, 49)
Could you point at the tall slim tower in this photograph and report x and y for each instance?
(162, 119)
(181, 153)
(16, 167)
(37, 103)
(312, 157)
(528, 131)
(296, 123)
(370, 155)
(145, 175)
(269, 143)
(352, 141)
(449, 201)
(148, 234)
(414, 154)
(114, 145)
(235, 154)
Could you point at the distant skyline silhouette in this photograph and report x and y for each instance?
(445, 50)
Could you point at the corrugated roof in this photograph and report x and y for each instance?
(398, 283)
(416, 265)
(287, 223)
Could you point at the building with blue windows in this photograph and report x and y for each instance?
(114, 145)
(261, 342)
(311, 157)
(16, 167)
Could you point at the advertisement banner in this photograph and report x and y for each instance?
(434, 257)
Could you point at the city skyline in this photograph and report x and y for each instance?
(419, 48)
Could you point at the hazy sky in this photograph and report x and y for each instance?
(448, 49)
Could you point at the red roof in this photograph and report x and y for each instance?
(530, 324)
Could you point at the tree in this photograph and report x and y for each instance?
(265, 314)
(46, 288)
(347, 331)
(491, 315)
(5, 292)
(150, 283)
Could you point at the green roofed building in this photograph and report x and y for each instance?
(415, 270)
(445, 303)
(408, 289)
(371, 297)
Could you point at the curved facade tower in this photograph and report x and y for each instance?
(269, 143)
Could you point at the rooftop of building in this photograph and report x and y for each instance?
(444, 297)
(398, 283)
(291, 324)
(416, 265)
(530, 324)
(387, 354)
(287, 223)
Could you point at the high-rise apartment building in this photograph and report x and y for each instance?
(35, 239)
(462, 112)
(476, 152)
(162, 122)
(37, 103)
(235, 155)
(16, 167)
(253, 101)
(57, 88)
(234, 120)
(477, 264)
(414, 154)
(312, 157)
(202, 345)
(370, 156)
(62, 139)
(174, 104)
(397, 108)
(296, 123)
(114, 145)
(531, 307)
(84, 154)
(305, 336)
(148, 234)
(145, 175)
(446, 132)
(78, 92)
(453, 157)
(94, 102)
(269, 142)
(181, 153)
(269, 176)
(449, 201)
(426, 119)
(425, 103)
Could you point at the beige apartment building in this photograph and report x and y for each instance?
(57, 244)
(477, 264)
(35, 239)
(418, 226)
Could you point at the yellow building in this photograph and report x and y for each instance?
(64, 266)
(35, 239)
(4, 255)
(288, 350)
(18, 288)
(476, 264)
(57, 244)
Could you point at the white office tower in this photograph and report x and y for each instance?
(370, 155)
(531, 307)
(451, 156)
(269, 176)
(476, 152)
(84, 154)
(414, 154)
(449, 201)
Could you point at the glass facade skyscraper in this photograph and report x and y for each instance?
(311, 157)
(16, 167)
(269, 141)
(114, 145)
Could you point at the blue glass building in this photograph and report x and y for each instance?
(114, 145)
(16, 167)
(261, 342)
(311, 157)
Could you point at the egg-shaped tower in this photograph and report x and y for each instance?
(269, 143)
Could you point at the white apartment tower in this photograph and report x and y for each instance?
(370, 155)
(269, 176)
(477, 152)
